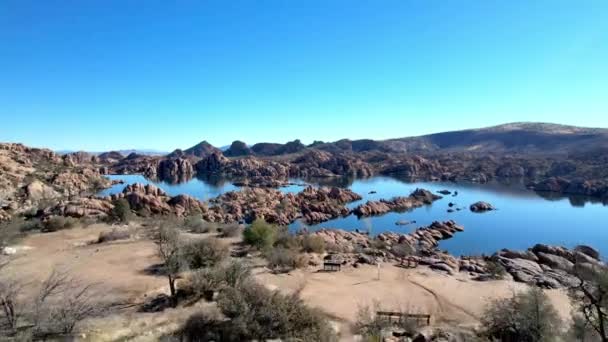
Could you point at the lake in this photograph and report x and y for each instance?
(523, 218)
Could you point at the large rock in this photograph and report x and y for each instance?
(37, 191)
(555, 261)
(480, 207)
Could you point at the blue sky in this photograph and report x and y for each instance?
(100, 75)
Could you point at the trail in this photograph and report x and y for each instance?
(444, 305)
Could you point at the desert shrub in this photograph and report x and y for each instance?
(312, 244)
(202, 327)
(257, 313)
(230, 230)
(204, 253)
(113, 235)
(260, 235)
(206, 280)
(286, 240)
(371, 326)
(227, 274)
(235, 273)
(56, 223)
(403, 250)
(525, 317)
(284, 260)
(121, 212)
(495, 269)
(196, 224)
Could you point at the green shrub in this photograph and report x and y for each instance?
(121, 212)
(56, 223)
(204, 253)
(313, 244)
(260, 235)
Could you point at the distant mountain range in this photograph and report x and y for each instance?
(146, 152)
(519, 137)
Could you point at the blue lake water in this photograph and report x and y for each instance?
(523, 218)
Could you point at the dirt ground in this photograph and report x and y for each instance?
(450, 300)
(120, 270)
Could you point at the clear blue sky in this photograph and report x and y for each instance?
(100, 75)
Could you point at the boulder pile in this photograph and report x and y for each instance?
(548, 266)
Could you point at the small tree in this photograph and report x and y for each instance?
(525, 317)
(168, 249)
(121, 211)
(260, 234)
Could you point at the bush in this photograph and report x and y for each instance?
(526, 317)
(231, 230)
(371, 326)
(113, 235)
(204, 326)
(204, 253)
(229, 274)
(121, 212)
(257, 313)
(196, 224)
(284, 260)
(313, 244)
(403, 250)
(31, 225)
(260, 235)
(495, 269)
(56, 223)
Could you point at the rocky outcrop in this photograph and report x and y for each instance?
(416, 199)
(313, 205)
(37, 190)
(594, 188)
(212, 164)
(480, 207)
(177, 169)
(145, 197)
(238, 149)
(548, 266)
(356, 247)
(81, 207)
(110, 157)
(77, 158)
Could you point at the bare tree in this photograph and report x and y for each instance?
(10, 291)
(591, 294)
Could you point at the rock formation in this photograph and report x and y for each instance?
(416, 199)
(480, 207)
